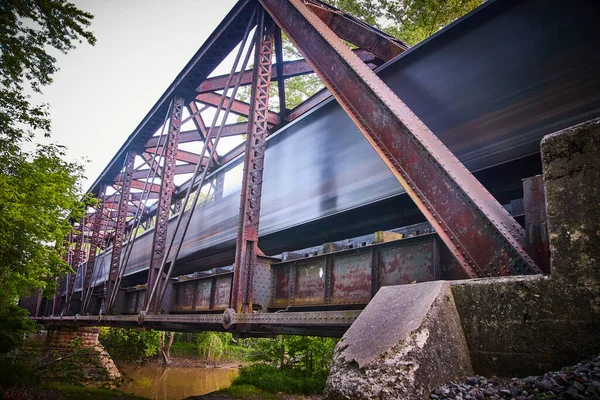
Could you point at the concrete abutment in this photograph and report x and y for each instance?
(512, 326)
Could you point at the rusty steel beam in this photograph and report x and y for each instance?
(251, 192)
(182, 155)
(75, 261)
(199, 124)
(357, 32)
(481, 235)
(115, 260)
(286, 69)
(309, 104)
(184, 137)
(95, 242)
(166, 193)
(137, 184)
(238, 107)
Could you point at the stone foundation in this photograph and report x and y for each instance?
(61, 341)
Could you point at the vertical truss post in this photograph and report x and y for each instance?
(115, 260)
(75, 262)
(164, 201)
(94, 242)
(279, 67)
(480, 234)
(247, 240)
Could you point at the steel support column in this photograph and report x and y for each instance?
(115, 260)
(481, 235)
(94, 242)
(166, 192)
(247, 240)
(75, 262)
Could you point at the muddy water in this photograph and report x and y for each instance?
(156, 382)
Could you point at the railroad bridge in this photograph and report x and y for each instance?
(412, 164)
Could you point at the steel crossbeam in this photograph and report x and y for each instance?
(247, 240)
(166, 192)
(481, 235)
(115, 261)
(94, 242)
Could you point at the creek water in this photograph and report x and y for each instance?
(174, 383)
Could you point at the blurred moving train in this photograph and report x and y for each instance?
(490, 86)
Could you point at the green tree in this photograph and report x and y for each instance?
(409, 20)
(39, 190)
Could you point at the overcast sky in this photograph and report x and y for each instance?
(101, 93)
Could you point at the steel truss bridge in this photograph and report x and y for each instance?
(411, 164)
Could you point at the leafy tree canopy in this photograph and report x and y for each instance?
(39, 190)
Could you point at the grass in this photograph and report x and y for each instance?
(270, 379)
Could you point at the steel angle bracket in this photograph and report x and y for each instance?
(482, 236)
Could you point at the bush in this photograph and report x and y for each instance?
(270, 379)
(130, 344)
(17, 372)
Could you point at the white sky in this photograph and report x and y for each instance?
(101, 93)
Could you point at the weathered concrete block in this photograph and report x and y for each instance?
(406, 342)
(530, 325)
(571, 164)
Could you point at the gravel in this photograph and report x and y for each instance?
(580, 381)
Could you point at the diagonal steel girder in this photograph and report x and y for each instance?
(481, 235)
(115, 260)
(166, 193)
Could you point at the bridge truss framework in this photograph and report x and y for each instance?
(466, 226)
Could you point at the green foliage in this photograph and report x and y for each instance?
(39, 191)
(408, 20)
(308, 354)
(27, 29)
(16, 371)
(130, 344)
(271, 379)
(13, 327)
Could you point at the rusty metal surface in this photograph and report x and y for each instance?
(75, 262)
(338, 321)
(352, 276)
(357, 32)
(482, 236)
(252, 179)
(166, 193)
(94, 244)
(536, 229)
(115, 261)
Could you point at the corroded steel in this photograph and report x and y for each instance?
(119, 235)
(534, 204)
(286, 69)
(166, 192)
(357, 32)
(237, 107)
(75, 261)
(94, 243)
(481, 235)
(247, 240)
